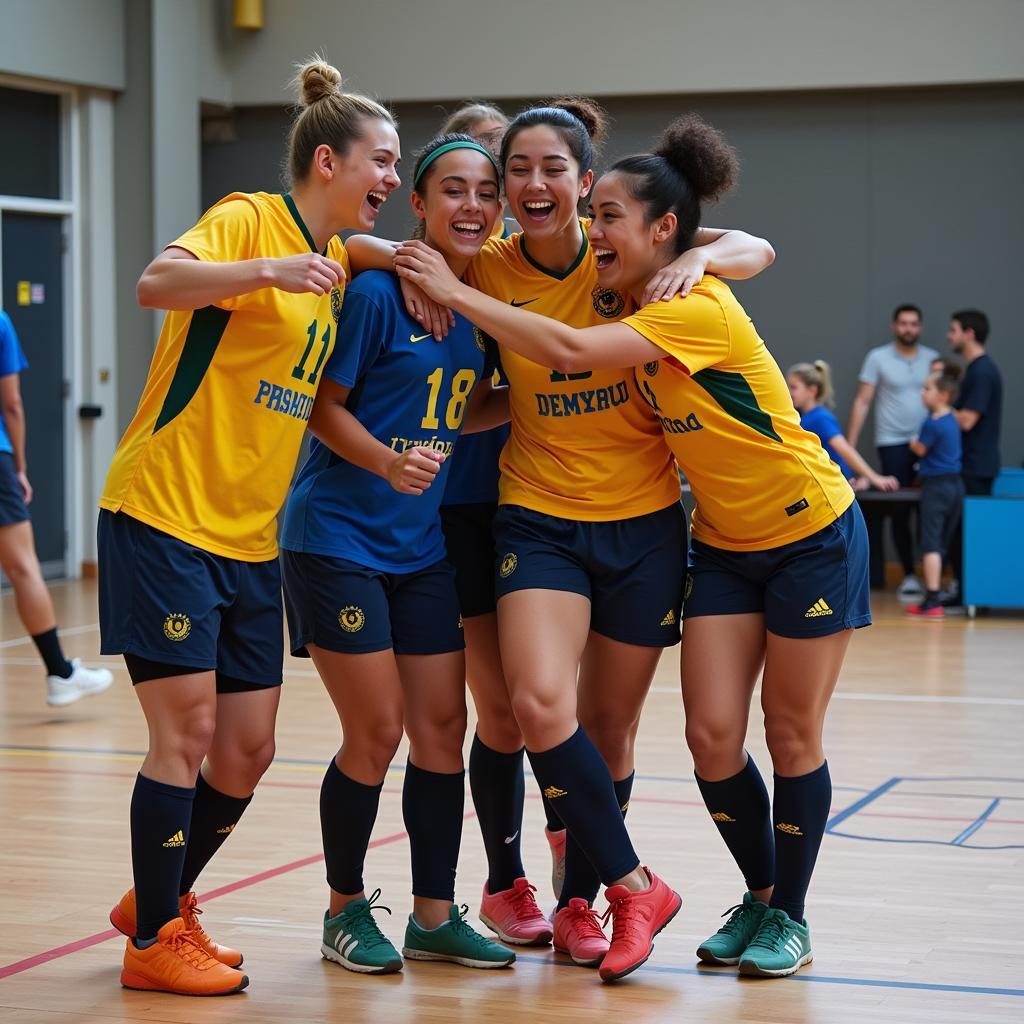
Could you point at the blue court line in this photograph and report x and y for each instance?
(925, 842)
(813, 979)
(860, 804)
(972, 828)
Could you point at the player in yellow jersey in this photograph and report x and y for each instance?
(189, 578)
(778, 558)
(589, 520)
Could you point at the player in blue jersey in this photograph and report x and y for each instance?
(369, 593)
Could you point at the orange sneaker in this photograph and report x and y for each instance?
(636, 918)
(177, 963)
(123, 918)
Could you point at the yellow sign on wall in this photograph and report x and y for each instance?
(24, 293)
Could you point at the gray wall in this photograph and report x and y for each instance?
(870, 198)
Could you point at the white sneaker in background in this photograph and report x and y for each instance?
(910, 588)
(82, 682)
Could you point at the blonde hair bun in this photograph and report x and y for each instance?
(317, 80)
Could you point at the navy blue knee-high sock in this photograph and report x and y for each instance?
(432, 806)
(160, 819)
(800, 811)
(581, 879)
(348, 810)
(496, 782)
(214, 817)
(575, 779)
(742, 812)
(552, 820)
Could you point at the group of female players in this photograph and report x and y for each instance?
(553, 553)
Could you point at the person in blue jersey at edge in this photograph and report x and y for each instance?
(810, 384)
(369, 593)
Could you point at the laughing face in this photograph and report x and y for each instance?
(457, 199)
(366, 175)
(543, 183)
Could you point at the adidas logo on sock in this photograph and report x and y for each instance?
(178, 839)
(721, 816)
(818, 609)
(553, 792)
(226, 830)
(790, 830)
(670, 618)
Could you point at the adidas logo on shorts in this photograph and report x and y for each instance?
(818, 609)
(670, 618)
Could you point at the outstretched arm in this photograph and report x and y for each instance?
(539, 338)
(860, 465)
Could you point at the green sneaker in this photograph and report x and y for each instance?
(726, 945)
(456, 942)
(780, 947)
(353, 939)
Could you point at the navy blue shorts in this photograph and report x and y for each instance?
(346, 607)
(813, 587)
(942, 501)
(632, 570)
(175, 604)
(469, 537)
(12, 502)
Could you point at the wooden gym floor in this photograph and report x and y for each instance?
(915, 906)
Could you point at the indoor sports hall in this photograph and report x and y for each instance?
(877, 224)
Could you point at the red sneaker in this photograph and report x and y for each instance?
(636, 918)
(578, 932)
(514, 916)
(556, 840)
(928, 611)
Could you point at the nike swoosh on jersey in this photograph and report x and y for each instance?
(526, 303)
(419, 337)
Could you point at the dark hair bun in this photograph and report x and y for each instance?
(317, 80)
(701, 155)
(594, 119)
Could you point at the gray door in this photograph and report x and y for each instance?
(33, 256)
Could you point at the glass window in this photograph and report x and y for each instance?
(30, 140)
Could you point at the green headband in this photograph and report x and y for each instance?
(447, 148)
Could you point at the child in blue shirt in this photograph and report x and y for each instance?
(810, 384)
(942, 487)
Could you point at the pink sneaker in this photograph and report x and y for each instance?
(514, 916)
(556, 840)
(578, 932)
(636, 918)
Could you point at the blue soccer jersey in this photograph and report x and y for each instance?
(12, 360)
(407, 391)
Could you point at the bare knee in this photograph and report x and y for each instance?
(542, 714)
(188, 743)
(613, 739)
(445, 730)
(21, 570)
(716, 747)
(497, 727)
(795, 748)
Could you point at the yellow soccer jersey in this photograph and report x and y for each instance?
(759, 479)
(210, 452)
(582, 445)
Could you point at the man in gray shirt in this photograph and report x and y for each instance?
(895, 373)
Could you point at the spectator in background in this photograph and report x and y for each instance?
(810, 384)
(896, 373)
(979, 410)
(66, 681)
(942, 487)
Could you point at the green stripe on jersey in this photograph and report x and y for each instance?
(732, 392)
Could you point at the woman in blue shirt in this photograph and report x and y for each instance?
(810, 384)
(369, 593)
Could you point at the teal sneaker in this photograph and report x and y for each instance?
(780, 947)
(728, 943)
(456, 942)
(353, 939)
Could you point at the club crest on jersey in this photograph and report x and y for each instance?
(336, 304)
(651, 368)
(508, 565)
(177, 626)
(351, 619)
(607, 302)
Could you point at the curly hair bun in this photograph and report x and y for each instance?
(701, 155)
(594, 119)
(317, 81)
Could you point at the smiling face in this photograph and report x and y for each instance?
(365, 176)
(543, 182)
(628, 249)
(457, 199)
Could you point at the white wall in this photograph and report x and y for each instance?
(444, 49)
(80, 41)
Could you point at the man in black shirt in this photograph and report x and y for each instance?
(979, 410)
